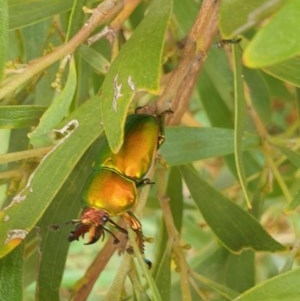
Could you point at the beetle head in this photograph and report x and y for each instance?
(92, 221)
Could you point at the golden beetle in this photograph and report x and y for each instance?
(112, 187)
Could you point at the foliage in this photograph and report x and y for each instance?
(221, 221)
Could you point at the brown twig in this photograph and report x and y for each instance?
(129, 7)
(178, 91)
(22, 155)
(101, 14)
(96, 268)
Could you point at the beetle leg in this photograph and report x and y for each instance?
(143, 182)
(116, 239)
(161, 137)
(136, 226)
(79, 231)
(95, 232)
(117, 226)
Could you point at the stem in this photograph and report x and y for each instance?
(174, 237)
(179, 88)
(101, 14)
(267, 149)
(85, 285)
(10, 174)
(177, 249)
(117, 287)
(129, 7)
(16, 156)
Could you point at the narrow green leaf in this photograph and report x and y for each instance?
(163, 277)
(236, 16)
(233, 271)
(174, 192)
(57, 110)
(137, 67)
(95, 59)
(11, 275)
(221, 289)
(143, 267)
(162, 272)
(185, 144)
(23, 13)
(12, 117)
(295, 202)
(76, 18)
(239, 121)
(234, 227)
(288, 71)
(281, 287)
(292, 156)
(29, 205)
(220, 77)
(259, 93)
(3, 34)
(277, 88)
(240, 271)
(216, 108)
(278, 40)
(54, 245)
(185, 12)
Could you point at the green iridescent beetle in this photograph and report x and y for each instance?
(112, 188)
(143, 136)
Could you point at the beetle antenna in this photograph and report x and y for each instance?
(57, 227)
(117, 226)
(116, 239)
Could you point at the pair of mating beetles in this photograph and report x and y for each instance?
(112, 187)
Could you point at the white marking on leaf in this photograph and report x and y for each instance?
(117, 92)
(131, 83)
(15, 234)
(66, 131)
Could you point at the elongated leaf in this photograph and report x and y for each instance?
(185, 12)
(216, 109)
(281, 287)
(288, 71)
(57, 110)
(292, 156)
(27, 208)
(3, 34)
(277, 88)
(236, 16)
(11, 275)
(239, 121)
(185, 145)
(222, 79)
(235, 271)
(235, 228)
(268, 47)
(259, 93)
(12, 117)
(54, 246)
(23, 13)
(76, 18)
(163, 278)
(295, 202)
(221, 289)
(137, 67)
(240, 271)
(162, 273)
(94, 59)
